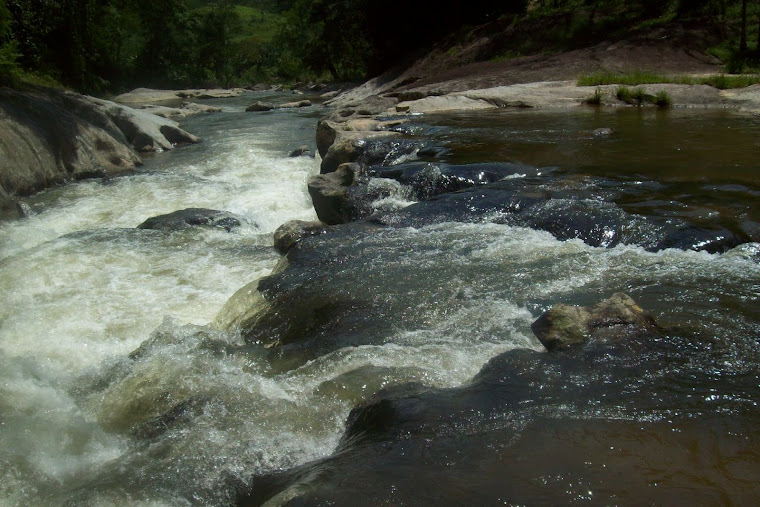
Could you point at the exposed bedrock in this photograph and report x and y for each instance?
(48, 137)
(591, 420)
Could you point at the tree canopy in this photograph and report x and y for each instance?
(109, 45)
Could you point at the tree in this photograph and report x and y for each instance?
(743, 36)
(8, 47)
(218, 26)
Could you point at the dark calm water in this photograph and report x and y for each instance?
(421, 316)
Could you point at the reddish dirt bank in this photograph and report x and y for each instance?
(480, 62)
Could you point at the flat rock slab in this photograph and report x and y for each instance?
(142, 96)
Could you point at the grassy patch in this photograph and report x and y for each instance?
(662, 99)
(726, 81)
(639, 97)
(720, 81)
(631, 79)
(629, 96)
(596, 98)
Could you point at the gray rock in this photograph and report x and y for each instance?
(189, 108)
(288, 234)
(326, 133)
(614, 319)
(192, 217)
(142, 96)
(260, 106)
(294, 105)
(50, 137)
(144, 131)
(329, 95)
(329, 196)
(348, 146)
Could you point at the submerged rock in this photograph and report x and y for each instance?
(192, 217)
(301, 151)
(618, 420)
(616, 318)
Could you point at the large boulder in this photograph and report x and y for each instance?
(564, 326)
(327, 131)
(329, 194)
(50, 137)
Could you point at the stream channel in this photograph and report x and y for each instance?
(115, 390)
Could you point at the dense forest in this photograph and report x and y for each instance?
(101, 46)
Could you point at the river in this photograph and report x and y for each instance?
(114, 390)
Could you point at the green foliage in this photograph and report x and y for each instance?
(109, 45)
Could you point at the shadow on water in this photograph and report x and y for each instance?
(670, 145)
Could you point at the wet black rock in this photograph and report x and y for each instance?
(302, 151)
(290, 233)
(428, 179)
(600, 213)
(192, 217)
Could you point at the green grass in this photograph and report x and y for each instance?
(720, 81)
(639, 97)
(635, 78)
(596, 98)
(726, 81)
(636, 96)
(662, 99)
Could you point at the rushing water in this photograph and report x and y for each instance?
(113, 390)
